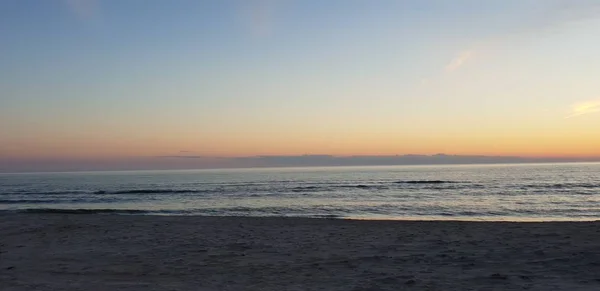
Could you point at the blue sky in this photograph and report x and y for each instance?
(84, 79)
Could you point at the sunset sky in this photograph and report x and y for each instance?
(110, 81)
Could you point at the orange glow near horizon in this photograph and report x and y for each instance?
(574, 146)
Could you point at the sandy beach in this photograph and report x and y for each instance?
(115, 252)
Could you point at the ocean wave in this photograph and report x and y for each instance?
(59, 200)
(331, 187)
(308, 189)
(563, 185)
(151, 191)
(25, 201)
(235, 211)
(327, 216)
(362, 186)
(426, 182)
(84, 211)
(57, 192)
(463, 213)
(233, 189)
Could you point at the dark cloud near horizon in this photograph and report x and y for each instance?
(330, 160)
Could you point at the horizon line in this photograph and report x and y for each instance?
(547, 162)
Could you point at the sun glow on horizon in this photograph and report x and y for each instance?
(227, 79)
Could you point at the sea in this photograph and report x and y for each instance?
(499, 192)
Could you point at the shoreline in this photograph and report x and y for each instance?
(153, 252)
(139, 212)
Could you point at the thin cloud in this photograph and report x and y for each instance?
(583, 108)
(552, 15)
(83, 9)
(566, 11)
(258, 16)
(459, 60)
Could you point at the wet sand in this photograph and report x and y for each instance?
(117, 252)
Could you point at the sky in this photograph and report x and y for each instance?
(91, 82)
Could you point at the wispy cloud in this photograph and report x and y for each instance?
(560, 12)
(550, 15)
(583, 108)
(459, 60)
(84, 9)
(258, 16)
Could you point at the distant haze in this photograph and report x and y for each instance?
(200, 162)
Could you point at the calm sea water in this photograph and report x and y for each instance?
(471, 192)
